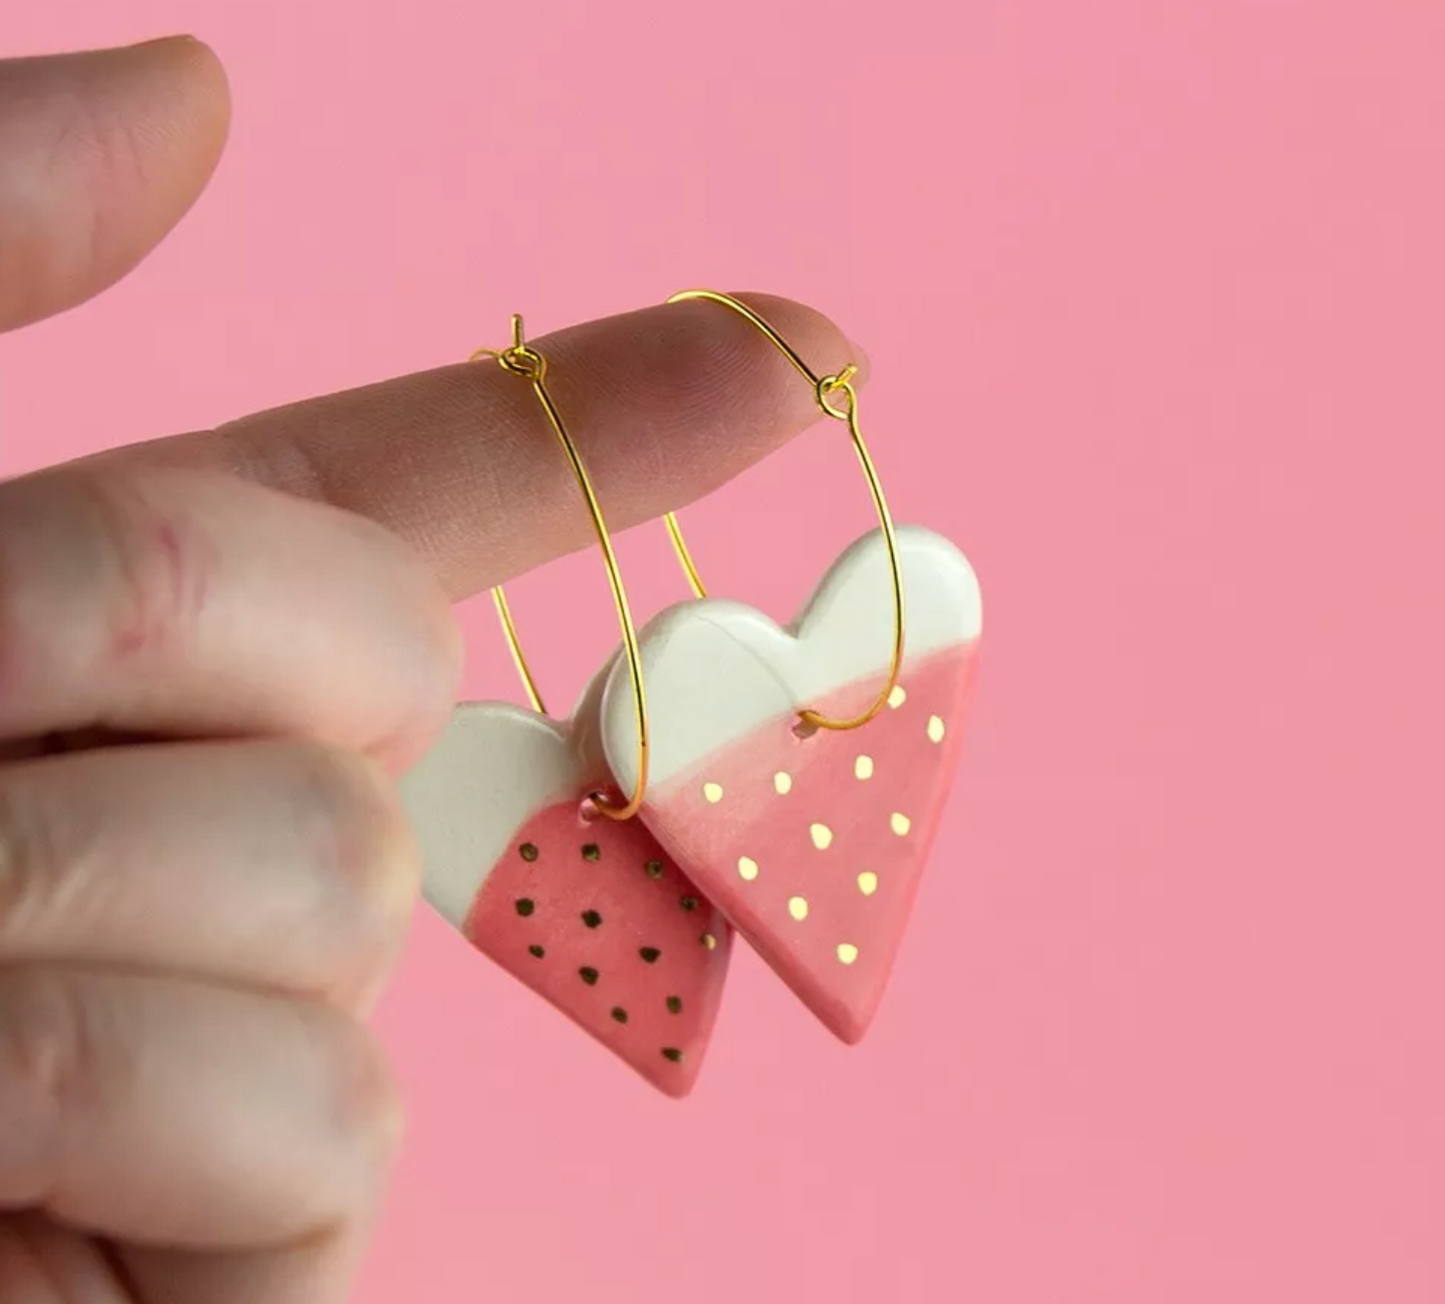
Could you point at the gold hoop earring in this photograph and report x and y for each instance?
(522, 360)
(591, 914)
(824, 388)
(809, 835)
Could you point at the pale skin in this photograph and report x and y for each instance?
(204, 872)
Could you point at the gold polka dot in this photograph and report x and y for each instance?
(798, 908)
(709, 941)
(847, 952)
(867, 882)
(935, 729)
(747, 868)
(863, 767)
(713, 792)
(783, 782)
(897, 697)
(822, 836)
(900, 824)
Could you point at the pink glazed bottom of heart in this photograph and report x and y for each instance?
(814, 845)
(597, 919)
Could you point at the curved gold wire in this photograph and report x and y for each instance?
(824, 389)
(514, 645)
(523, 360)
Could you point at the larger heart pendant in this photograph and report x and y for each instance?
(811, 842)
(591, 914)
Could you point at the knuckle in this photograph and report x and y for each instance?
(114, 558)
(28, 869)
(419, 606)
(97, 568)
(363, 837)
(448, 654)
(367, 1097)
(437, 649)
(48, 1060)
(435, 620)
(160, 567)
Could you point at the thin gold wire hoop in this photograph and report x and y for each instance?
(824, 390)
(523, 360)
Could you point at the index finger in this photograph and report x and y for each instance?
(665, 404)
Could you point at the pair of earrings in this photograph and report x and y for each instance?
(720, 773)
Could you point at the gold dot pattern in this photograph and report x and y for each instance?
(611, 953)
(825, 910)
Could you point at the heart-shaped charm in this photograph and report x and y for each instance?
(590, 913)
(811, 841)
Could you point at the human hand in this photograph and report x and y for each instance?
(216, 652)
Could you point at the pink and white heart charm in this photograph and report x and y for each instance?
(812, 843)
(592, 914)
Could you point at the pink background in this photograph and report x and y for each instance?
(1153, 290)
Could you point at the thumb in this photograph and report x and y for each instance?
(101, 154)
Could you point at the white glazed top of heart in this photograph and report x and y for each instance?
(493, 768)
(844, 636)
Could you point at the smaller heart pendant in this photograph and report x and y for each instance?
(812, 841)
(592, 915)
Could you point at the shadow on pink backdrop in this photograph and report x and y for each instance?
(1153, 295)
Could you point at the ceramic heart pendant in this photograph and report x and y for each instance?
(592, 914)
(811, 842)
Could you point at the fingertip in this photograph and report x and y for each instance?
(103, 153)
(167, 81)
(738, 396)
(195, 74)
(170, 100)
(814, 336)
